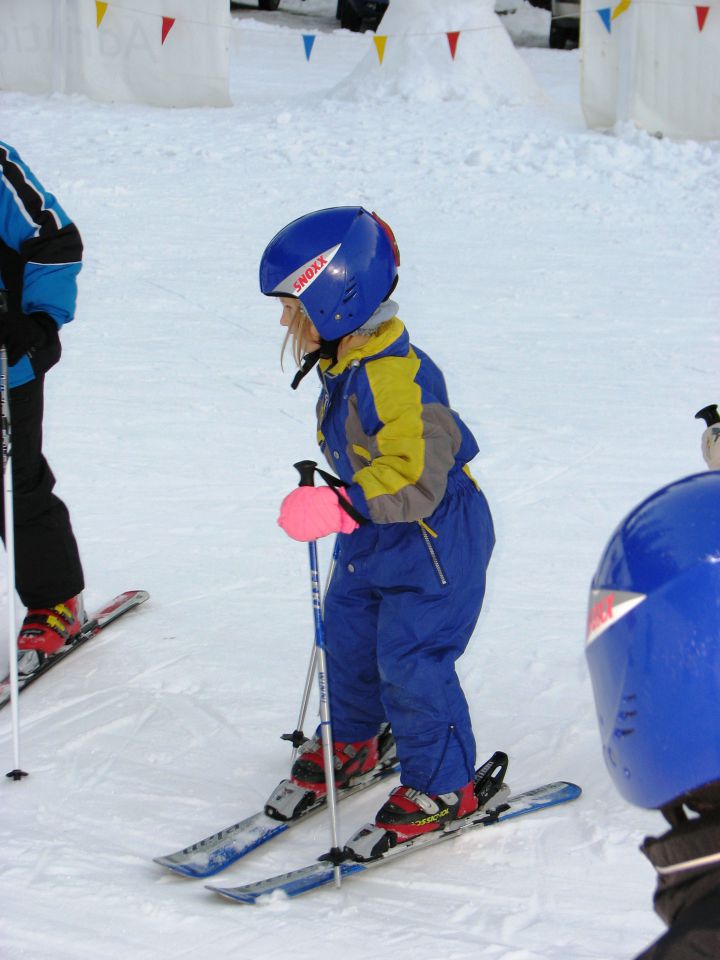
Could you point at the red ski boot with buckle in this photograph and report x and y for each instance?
(407, 813)
(351, 760)
(47, 630)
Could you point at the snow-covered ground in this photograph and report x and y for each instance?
(566, 281)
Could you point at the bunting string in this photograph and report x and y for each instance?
(166, 24)
(356, 37)
(610, 14)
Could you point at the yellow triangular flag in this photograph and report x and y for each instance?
(380, 47)
(100, 10)
(620, 8)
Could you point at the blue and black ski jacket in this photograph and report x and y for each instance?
(40, 257)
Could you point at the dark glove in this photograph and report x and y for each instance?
(22, 333)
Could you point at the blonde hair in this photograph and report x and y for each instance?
(298, 334)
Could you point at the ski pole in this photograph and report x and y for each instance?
(297, 737)
(306, 469)
(16, 773)
(709, 414)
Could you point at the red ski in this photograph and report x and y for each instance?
(102, 618)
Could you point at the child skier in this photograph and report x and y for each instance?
(653, 652)
(410, 577)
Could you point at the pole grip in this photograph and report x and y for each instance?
(306, 469)
(709, 414)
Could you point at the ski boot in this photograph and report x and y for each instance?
(356, 765)
(408, 815)
(350, 759)
(45, 631)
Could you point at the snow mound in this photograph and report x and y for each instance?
(417, 64)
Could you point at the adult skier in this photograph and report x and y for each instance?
(654, 657)
(40, 258)
(415, 531)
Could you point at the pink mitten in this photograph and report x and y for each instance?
(311, 512)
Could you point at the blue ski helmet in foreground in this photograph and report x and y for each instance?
(341, 263)
(653, 644)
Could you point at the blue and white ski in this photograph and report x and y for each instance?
(213, 854)
(323, 873)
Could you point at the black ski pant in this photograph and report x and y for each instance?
(47, 562)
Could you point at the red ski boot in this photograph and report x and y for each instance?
(351, 760)
(47, 630)
(408, 813)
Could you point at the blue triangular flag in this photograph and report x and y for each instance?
(605, 15)
(308, 40)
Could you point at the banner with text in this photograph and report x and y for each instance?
(172, 53)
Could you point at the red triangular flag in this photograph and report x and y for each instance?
(167, 24)
(453, 40)
(702, 13)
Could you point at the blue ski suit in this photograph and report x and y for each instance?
(409, 583)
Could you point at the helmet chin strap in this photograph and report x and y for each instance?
(308, 362)
(328, 350)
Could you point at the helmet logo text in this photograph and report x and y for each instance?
(607, 607)
(302, 277)
(316, 267)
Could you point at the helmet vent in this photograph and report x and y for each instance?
(624, 720)
(351, 290)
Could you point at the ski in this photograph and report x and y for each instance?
(102, 618)
(289, 805)
(322, 873)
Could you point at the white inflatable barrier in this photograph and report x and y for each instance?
(170, 53)
(654, 63)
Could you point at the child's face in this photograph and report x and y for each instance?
(299, 324)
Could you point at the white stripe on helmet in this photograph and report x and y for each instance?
(304, 276)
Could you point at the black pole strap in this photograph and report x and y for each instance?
(336, 485)
(307, 470)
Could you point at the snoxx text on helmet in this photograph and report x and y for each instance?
(341, 263)
(653, 644)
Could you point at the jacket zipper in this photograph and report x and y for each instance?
(325, 401)
(354, 367)
(326, 397)
(434, 557)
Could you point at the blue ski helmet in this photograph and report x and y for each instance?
(653, 644)
(341, 263)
